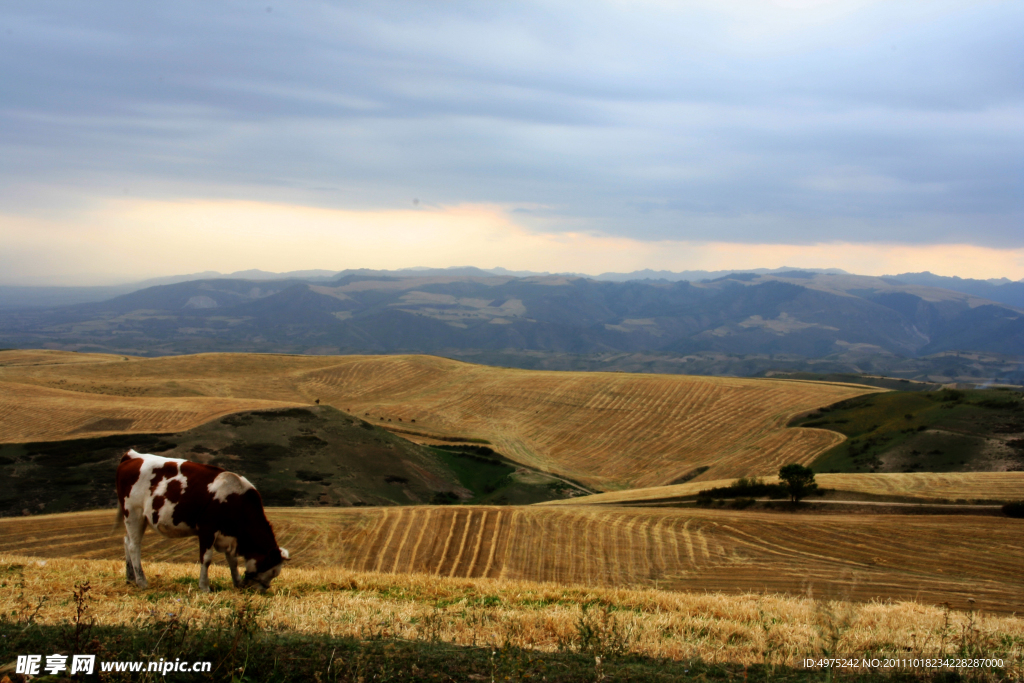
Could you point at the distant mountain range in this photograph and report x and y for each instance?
(13, 297)
(782, 317)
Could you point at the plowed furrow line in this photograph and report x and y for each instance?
(375, 539)
(536, 562)
(470, 546)
(501, 532)
(687, 398)
(419, 555)
(597, 565)
(630, 546)
(567, 553)
(400, 556)
(456, 530)
(610, 551)
(483, 537)
(581, 537)
(645, 548)
(658, 543)
(790, 554)
(386, 555)
(691, 550)
(703, 541)
(673, 531)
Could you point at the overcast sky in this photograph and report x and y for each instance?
(140, 139)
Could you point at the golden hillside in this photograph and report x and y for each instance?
(833, 557)
(924, 486)
(606, 430)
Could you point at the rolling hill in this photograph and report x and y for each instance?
(604, 430)
(314, 456)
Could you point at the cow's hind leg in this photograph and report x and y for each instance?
(232, 561)
(129, 571)
(135, 525)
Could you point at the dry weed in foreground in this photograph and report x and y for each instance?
(714, 627)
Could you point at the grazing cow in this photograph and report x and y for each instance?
(182, 498)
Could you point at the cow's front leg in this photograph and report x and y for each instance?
(205, 558)
(232, 561)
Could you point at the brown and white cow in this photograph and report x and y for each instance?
(182, 498)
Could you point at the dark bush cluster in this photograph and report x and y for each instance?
(745, 488)
(444, 498)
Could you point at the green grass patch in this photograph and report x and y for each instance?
(893, 383)
(481, 474)
(936, 431)
(495, 480)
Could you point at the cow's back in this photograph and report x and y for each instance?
(172, 494)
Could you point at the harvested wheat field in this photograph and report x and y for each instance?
(715, 627)
(913, 486)
(846, 557)
(605, 430)
(37, 413)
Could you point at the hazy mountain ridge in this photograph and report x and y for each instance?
(793, 314)
(14, 297)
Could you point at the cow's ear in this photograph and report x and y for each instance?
(284, 553)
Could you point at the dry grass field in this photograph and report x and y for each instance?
(923, 486)
(37, 413)
(848, 557)
(606, 430)
(716, 627)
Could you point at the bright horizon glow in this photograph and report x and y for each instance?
(141, 239)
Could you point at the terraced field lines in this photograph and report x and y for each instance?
(448, 536)
(375, 536)
(462, 526)
(478, 543)
(397, 518)
(491, 570)
(425, 519)
(408, 524)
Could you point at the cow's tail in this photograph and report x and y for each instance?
(118, 520)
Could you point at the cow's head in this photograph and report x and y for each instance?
(261, 570)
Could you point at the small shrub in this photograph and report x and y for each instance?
(444, 498)
(599, 632)
(745, 487)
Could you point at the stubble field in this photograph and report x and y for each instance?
(835, 557)
(606, 430)
(910, 486)
(499, 613)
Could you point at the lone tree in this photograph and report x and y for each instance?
(799, 481)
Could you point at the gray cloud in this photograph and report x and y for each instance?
(892, 123)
